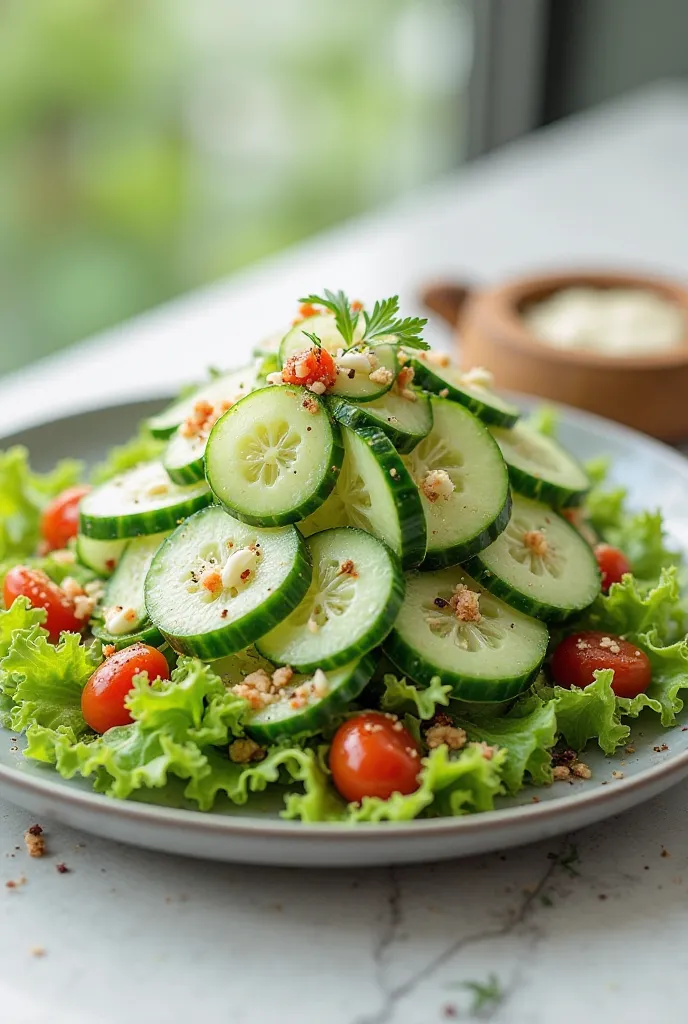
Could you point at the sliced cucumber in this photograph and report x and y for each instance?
(540, 468)
(375, 493)
(233, 668)
(217, 584)
(463, 483)
(436, 372)
(275, 456)
(308, 704)
(124, 599)
(141, 501)
(352, 602)
(539, 564)
(404, 422)
(489, 653)
(184, 458)
(325, 327)
(354, 370)
(100, 555)
(229, 387)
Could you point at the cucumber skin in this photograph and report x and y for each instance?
(140, 524)
(500, 588)
(374, 636)
(94, 563)
(548, 493)
(381, 389)
(429, 381)
(459, 553)
(468, 688)
(149, 634)
(318, 716)
(189, 473)
(356, 417)
(413, 529)
(326, 487)
(236, 636)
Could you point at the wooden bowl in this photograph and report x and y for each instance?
(648, 392)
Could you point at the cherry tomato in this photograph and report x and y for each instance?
(311, 365)
(373, 755)
(60, 518)
(577, 657)
(613, 564)
(103, 696)
(41, 592)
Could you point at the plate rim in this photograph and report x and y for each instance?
(246, 826)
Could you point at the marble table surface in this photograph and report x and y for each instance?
(589, 927)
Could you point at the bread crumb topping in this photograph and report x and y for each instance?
(478, 377)
(244, 750)
(381, 376)
(610, 644)
(261, 689)
(203, 418)
(403, 383)
(465, 603)
(436, 485)
(119, 620)
(450, 735)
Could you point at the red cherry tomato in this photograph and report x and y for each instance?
(613, 564)
(577, 657)
(41, 592)
(103, 696)
(60, 518)
(309, 366)
(373, 755)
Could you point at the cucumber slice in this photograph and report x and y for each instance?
(308, 704)
(463, 483)
(325, 327)
(275, 456)
(233, 668)
(355, 593)
(404, 422)
(490, 653)
(374, 493)
(435, 372)
(141, 501)
(540, 468)
(229, 387)
(125, 591)
(354, 369)
(539, 564)
(195, 593)
(184, 458)
(100, 555)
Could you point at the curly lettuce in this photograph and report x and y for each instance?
(23, 495)
(401, 697)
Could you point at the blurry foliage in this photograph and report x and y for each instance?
(149, 146)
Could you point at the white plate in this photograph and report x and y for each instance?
(655, 476)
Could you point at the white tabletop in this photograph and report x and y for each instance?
(129, 937)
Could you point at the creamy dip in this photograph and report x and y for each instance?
(612, 321)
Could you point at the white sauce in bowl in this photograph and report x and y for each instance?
(612, 321)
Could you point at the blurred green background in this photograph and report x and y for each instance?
(150, 146)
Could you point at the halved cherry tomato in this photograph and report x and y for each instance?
(613, 564)
(103, 696)
(311, 365)
(373, 755)
(41, 592)
(60, 518)
(577, 657)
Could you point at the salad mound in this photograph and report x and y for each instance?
(348, 572)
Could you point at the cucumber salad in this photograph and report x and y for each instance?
(348, 573)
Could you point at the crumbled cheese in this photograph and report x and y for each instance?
(119, 620)
(381, 376)
(71, 588)
(203, 417)
(561, 772)
(311, 406)
(581, 770)
(237, 565)
(610, 644)
(320, 684)
(450, 735)
(582, 645)
(403, 382)
(359, 362)
(435, 358)
(536, 542)
(465, 604)
(244, 750)
(63, 557)
(83, 600)
(275, 377)
(437, 484)
(317, 387)
(282, 676)
(478, 377)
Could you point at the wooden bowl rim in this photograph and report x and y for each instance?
(507, 300)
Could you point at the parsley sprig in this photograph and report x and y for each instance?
(383, 320)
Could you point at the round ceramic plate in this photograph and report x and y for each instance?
(654, 475)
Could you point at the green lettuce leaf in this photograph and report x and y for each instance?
(669, 677)
(400, 697)
(589, 714)
(23, 495)
(45, 681)
(545, 419)
(527, 733)
(141, 448)
(19, 616)
(630, 610)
